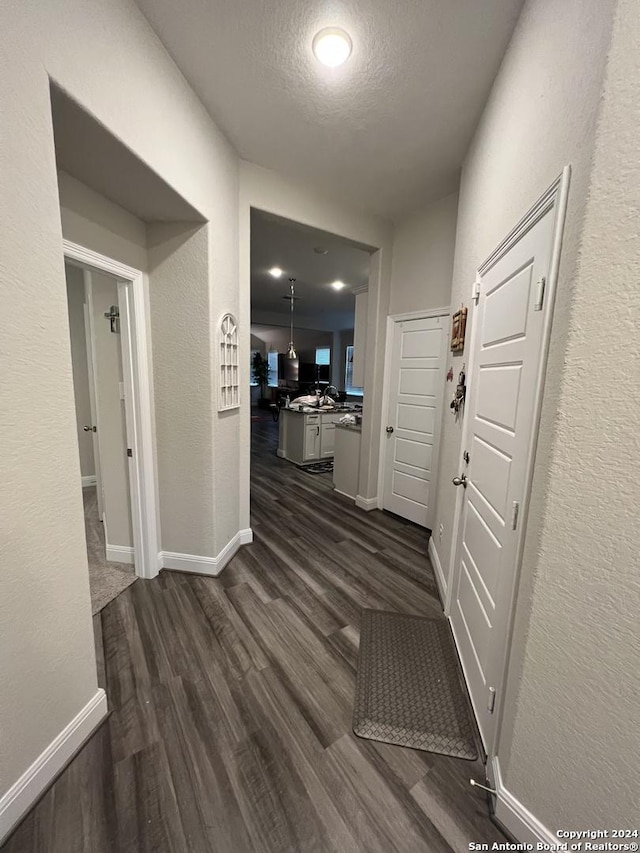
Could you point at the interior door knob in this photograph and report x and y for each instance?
(460, 481)
(389, 429)
(89, 428)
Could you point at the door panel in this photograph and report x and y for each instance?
(507, 308)
(418, 419)
(508, 352)
(491, 474)
(415, 410)
(410, 487)
(422, 382)
(413, 453)
(421, 343)
(498, 388)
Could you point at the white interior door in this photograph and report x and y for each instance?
(413, 424)
(93, 393)
(500, 429)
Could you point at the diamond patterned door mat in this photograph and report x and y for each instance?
(409, 689)
(318, 467)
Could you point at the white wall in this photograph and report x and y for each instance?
(560, 751)
(75, 302)
(423, 250)
(571, 753)
(105, 56)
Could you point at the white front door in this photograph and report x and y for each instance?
(413, 421)
(500, 429)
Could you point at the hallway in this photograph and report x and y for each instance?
(231, 699)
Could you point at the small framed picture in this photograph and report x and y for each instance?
(458, 328)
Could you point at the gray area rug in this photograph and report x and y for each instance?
(106, 579)
(409, 688)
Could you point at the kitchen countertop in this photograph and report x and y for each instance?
(312, 410)
(353, 427)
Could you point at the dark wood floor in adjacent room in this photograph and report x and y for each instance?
(231, 699)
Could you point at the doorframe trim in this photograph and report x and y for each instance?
(386, 385)
(556, 195)
(136, 366)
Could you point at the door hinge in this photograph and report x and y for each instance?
(476, 291)
(540, 286)
(129, 451)
(515, 512)
(491, 704)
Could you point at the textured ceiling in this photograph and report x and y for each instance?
(387, 131)
(280, 243)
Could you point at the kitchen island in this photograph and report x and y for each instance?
(307, 435)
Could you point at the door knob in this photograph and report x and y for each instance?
(89, 428)
(389, 429)
(460, 481)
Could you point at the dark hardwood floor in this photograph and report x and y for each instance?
(231, 699)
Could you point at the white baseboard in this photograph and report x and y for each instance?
(120, 554)
(34, 781)
(367, 504)
(205, 565)
(89, 480)
(515, 817)
(344, 494)
(437, 568)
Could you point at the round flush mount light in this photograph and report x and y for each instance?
(320, 250)
(276, 272)
(337, 285)
(332, 46)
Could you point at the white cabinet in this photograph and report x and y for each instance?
(306, 437)
(312, 442)
(327, 440)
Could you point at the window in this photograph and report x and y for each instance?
(252, 381)
(323, 355)
(272, 358)
(228, 385)
(348, 374)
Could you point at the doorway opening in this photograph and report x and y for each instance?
(308, 337)
(96, 356)
(113, 411)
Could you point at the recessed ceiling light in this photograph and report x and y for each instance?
(337, 285)
(332, 46)
(276, 272)
(320, 250)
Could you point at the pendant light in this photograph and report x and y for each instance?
(291, 352)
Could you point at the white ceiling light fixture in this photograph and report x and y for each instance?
(291, 352)
(332, 46)
(337, 285)
(276, 272)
